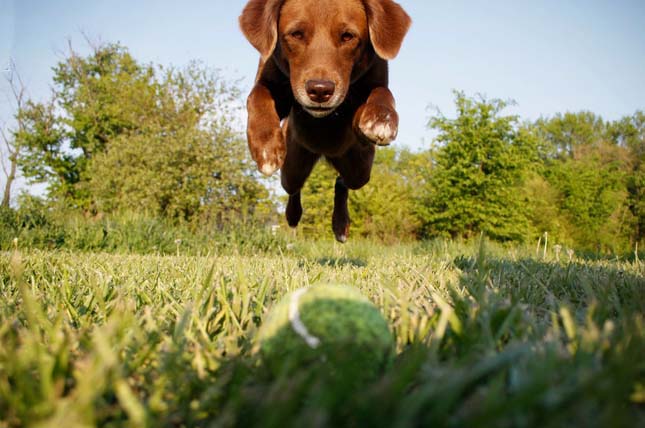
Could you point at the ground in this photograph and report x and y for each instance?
(487, 335)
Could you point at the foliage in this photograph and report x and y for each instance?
(36, 224)
(94, 99)
(485, 336)
(318, 200)
(629, 133)
(591, 174)
(479, 165)
(542, 202)
(119, 139)
(594, 200)
(565, 134)
(43, 158)
(573, 176)
(384, 209)
(118, 135)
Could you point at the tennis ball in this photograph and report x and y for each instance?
(328, 327)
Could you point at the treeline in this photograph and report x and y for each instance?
(119, 137)
(574, 177)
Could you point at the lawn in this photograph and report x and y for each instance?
(487, 336)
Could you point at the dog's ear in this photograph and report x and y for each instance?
(259, 23)
(388, 23)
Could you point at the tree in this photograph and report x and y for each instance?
(44, 159)
(479, 165)
(318, 200)
(565, 134)
(192, 163)
(629, 133)
(586, 181)
(544, 211)
(8, 135)
(384, 209)
(119, 135)
(94, 100)
(594, 201)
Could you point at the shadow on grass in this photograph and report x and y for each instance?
(341, 262)
(518, 385)
(499, 362)
(612, 291)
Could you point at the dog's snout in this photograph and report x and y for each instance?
(320, 91)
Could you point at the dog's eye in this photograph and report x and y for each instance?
(298, 34)
(347, 37)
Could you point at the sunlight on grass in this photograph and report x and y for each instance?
(486, 336)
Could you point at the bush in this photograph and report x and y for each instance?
(38, 227)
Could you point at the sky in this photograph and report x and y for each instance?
(548, 56)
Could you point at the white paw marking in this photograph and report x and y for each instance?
(267, 166)
(382, 133)
(268, 169)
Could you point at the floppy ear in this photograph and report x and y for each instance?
(259, 23)
(388, 23)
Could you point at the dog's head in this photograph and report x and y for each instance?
(323, 44)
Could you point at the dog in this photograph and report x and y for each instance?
(321, 90)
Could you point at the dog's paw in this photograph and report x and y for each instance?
(340, 226)
(268, 150)
(294, 210)
(379, 124)
(340, 217)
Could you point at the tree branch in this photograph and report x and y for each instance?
(18, 91)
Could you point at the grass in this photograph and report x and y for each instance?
(487, 336)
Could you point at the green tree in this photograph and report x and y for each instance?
(544, 211)
(564, 134)
(118, 135)
(629, 133)
(318, 200)
(479, 165)
(94, 99)
(385, 209)
(594, 201)
(586, 172)
(191, 163)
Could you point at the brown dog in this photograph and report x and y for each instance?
(323, 67)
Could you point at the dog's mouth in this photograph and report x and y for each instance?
(319, 111)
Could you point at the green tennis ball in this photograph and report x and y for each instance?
(333, 328)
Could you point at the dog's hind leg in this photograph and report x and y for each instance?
(354, 167)
(294, 210)
(340, 217)
(298, 164)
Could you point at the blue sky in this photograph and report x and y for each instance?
(549, 56)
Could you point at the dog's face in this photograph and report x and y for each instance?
(322, 44)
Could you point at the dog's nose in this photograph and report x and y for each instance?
(320, 91)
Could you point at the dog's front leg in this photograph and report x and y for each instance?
(265, 138)
(377, 119)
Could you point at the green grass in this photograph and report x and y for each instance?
(487, 336)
